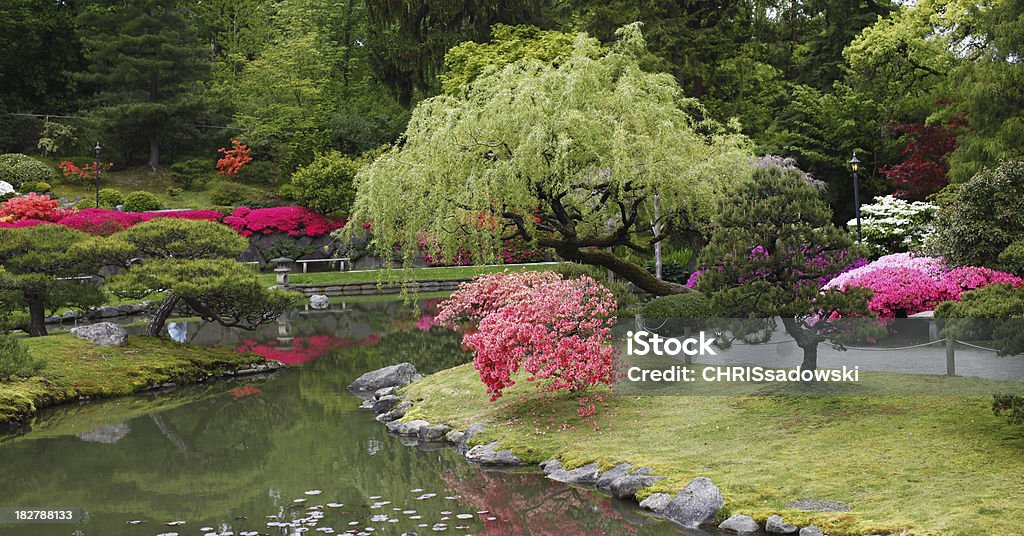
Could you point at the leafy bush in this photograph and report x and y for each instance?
(555, 329)
(891, 225)
(326, 185)
(229, 194)
(30, 207)
(110, 198)
(6, 190)
(986, 217)
(191, 174)
(14, 360)
(293, 221)
(623, 295)
(261, 172)
(994, 313)
(40, 187)
(674, 313)
(1013, 257)
(18, 170)
(673, 271)
(1012, 406)
(141, 202)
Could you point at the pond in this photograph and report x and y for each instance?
(250, 455)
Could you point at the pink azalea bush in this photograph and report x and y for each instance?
(556, 330)
(106, 222)
(905, 283)
(293, 221)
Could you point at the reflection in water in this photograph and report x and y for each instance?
(228, 454)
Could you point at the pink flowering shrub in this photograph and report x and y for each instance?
(29, 207)
(104, 222)
(555, 330)
(974, 277)
(20, 224)
(293, 221)
(932, 266)
(513, 251)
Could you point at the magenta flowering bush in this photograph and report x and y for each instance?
(21, 224)
(292, 220)
(556, 330)
(905, 283)
(105, 222)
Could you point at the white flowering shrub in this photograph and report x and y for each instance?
(891, 225)
(6, 188)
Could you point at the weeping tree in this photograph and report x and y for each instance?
(567, 156)
(41, 270)
(192, 262)
(772, 249)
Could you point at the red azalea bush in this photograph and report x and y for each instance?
(78, 174)
(234, 158)
(29, 207)
(556, 330)
(293, 221)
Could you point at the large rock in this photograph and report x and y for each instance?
(490, 455)
(103, 334)
(775, 525)
(401, 374)
(385, 404)
(433, 432)
(462, 447)
(811, 531)
(657, 502)
(696, 505)
(740, 524)
(407, 428)
(625, 487)
(604, 482)
(580, 476)
(319, 301)
(396, 413)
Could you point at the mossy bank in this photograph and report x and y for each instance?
(905, 465)
(77, 369)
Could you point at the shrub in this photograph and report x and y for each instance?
(891, 225)
(40, 187)
(6, 189)
(110, 198)
(624, 296)
(556, 330)
(229, 194)
(676, 312)
(1013, 257)
(326, 185)
(106, 222)
(18, 170)
(191, 174)
(994, 313)
(985, 218)
(293, 221)
(174, 191)
(141, 202)
(30, 207)
(14, 360)
(234, 158)
(262, 172)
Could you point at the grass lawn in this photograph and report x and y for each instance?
(928, 465)
(76, 368)
(403, 274)
(145, 179)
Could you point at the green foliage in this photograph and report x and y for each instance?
(575, 145)
(40, 187)
(110, 198)
(230, 194)
(326, 185)
(38, 262)
(140, 201)
(193, 173)
(671, 270)
(995, 313)
(15, 362)
(624, 296)
(985, 218)
(1012, 258)
(182, 239)
(1012, 406)
(20, 170)
(262, 172)
(672, 314)
(508, 44)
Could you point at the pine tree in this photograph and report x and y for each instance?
(145, 61)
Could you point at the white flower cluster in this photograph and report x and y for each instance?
(891, 225)
(6, 188)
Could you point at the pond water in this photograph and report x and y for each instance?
(239, 455)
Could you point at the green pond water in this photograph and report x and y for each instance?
(223, 456)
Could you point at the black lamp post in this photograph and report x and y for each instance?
(96, 172)
(855, 165)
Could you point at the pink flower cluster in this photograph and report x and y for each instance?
(908, 284)
(556, 330)
(293, 221)
(106, 222)
(513, 251)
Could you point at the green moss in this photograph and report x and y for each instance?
(927, 465)
(77, 368)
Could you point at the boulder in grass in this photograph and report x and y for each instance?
(490, 455)
(580, 476)
(775, 525)
(656, 503)
(740, 524)
(103, 334)
(696, 505)
(395, 375)
(811, 531)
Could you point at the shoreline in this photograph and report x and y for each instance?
(77, 370)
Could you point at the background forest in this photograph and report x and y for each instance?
(924, 92)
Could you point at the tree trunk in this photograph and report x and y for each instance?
(156, 326)
(810, 357)
(154, 154)
(37, 319)
(806, 340)
(627, 270)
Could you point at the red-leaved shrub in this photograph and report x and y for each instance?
(29, 207)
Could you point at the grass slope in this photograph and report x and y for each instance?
(77, 368)
(929, 465)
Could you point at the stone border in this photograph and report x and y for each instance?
(106, 311)
(695, 505)
(372, 289)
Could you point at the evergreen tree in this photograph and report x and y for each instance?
(145, 62)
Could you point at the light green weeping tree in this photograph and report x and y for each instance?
(567, 156)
